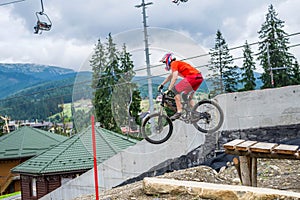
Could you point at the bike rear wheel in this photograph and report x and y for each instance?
(208, 116)
(157, 128)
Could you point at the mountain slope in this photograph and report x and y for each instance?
(15, 77)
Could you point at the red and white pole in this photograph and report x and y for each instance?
(95, 157)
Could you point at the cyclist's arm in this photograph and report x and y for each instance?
(167, 79)
(174, 76)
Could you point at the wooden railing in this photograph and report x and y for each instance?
(249, 151)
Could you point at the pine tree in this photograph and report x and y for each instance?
(97, 62)
(135, 103)
(231, 79)
(112, 74)
(101, 85)
(223, 75)
(247, 76)
(273, 49)
(126, 108)
(295, 74)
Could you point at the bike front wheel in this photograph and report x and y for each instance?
(208, 116)
(157, 128)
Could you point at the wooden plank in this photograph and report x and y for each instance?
(237, 166)
(254, 172)
(263, 147)
(231, 145)
(245, 145)
(286, 149)
(245, 170)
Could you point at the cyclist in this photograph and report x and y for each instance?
(191, 81)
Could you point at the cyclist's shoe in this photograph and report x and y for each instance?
(175, 116)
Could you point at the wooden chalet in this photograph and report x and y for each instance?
(51, 169)
(17, 147)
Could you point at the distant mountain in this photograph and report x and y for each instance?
(35, 91)
(258, 81)
(15, 77)
(38, 71)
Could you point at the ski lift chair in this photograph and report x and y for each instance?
(178, 1)
(42, 25)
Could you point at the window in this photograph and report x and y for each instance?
(33, 187)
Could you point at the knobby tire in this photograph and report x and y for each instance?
(162, 125)
(218, 116)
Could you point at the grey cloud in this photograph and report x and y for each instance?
(86, 21)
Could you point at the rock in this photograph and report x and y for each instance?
(157, 186)
(236, 181)
(286, 181)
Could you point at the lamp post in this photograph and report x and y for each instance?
(143, 5)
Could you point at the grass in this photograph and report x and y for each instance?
(81, 104)
(9, 195)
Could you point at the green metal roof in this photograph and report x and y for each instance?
(76, 153)
(27, 142)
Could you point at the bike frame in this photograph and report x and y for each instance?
(188, 112)
(158, 127)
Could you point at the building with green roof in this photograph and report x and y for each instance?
(67, 160)
(17, 147)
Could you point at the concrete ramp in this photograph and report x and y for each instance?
(243, 110)
(132, 162)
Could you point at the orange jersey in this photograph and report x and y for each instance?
(184, 69)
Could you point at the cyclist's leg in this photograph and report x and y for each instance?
(182, 86)
(195, 82)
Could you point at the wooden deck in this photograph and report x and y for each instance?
(248, 152)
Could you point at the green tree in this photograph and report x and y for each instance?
(112, 83)
(135, 106)
(103, 81)
(97, 61)
(273, 49)
(231, 78)
(135, 101)
(247, 75)
(126, 108)
(222, 74)
(295, 74)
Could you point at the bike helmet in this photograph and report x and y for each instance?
(167, 59)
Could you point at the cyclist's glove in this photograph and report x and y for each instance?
(160, 87)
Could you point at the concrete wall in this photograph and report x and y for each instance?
(261, 108)
(132, 162)
(243, 111)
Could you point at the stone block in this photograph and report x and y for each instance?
(155, 186)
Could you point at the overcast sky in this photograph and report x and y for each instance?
(78, 24)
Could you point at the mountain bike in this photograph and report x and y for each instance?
(206, 116)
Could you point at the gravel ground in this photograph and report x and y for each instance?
(272, 173)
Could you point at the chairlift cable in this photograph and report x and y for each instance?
(11, 2)
(42, 6)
